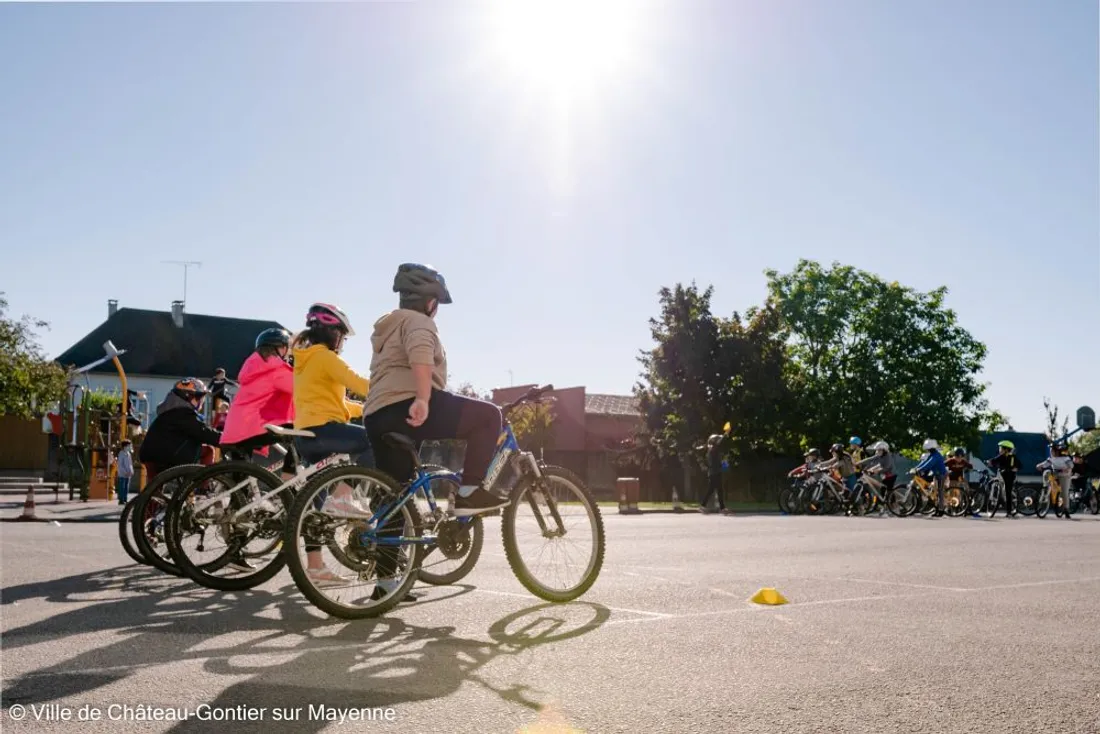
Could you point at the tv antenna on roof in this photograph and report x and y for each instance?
(185, 264)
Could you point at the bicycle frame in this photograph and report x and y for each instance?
(507, 452)
(836, 489)
(302, 476)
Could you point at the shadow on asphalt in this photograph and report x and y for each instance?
(296, 659)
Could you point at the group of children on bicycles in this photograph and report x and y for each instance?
(847, 464)
(302, 381)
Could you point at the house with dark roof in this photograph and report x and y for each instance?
(161, 348)
(586, 426)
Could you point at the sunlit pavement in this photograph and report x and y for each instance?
(922, 624)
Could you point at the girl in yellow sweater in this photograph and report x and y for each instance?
(321, 381)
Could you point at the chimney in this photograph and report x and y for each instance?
(177, 313)
(112, 308)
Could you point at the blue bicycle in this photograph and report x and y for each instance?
(379, 552)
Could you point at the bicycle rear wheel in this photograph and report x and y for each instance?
(458, 541)
(247, 546)
(126, 534)
(558, 508)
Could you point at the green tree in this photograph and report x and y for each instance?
(704, 371)
(470, 391)
(29, 382)
(878, 359)
(1054, 428)
(1085, 443)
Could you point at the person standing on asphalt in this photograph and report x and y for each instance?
(124, 471)
(715, 467)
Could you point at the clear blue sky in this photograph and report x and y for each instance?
(302, 151)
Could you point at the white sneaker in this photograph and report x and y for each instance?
(344, 507)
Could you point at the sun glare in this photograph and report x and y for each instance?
(565, 46)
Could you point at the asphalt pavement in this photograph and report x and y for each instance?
(914, 625)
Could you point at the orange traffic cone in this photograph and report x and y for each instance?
(28, 506)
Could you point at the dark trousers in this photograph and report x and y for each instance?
(450, 416)
(337, 438)
(1009, 478)
(122, 489)
(714, 487)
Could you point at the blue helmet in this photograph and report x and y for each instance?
(855, 441)
(273, 338)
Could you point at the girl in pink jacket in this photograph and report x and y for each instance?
(265, 394)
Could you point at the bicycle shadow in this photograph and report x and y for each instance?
(295, 658)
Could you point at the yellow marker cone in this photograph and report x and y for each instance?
(771, 597)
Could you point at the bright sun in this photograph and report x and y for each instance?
(564, 46)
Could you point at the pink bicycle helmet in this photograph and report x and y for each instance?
(326, 314)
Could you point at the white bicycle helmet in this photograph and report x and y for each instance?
(328, 314)
(881, 446)
(931, 443)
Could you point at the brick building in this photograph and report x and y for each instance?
(585, 427)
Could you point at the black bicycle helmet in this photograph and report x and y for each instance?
(836, 448)
(423, 281)
(273, 337)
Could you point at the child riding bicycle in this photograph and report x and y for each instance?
(933, 465)
(177, 435)
(812, 459)
(322, 380)
(1059, 467)
(842, 463)
(409, 391)
(881, 462)
(266, 396)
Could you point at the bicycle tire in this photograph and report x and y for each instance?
(993, 504)
(1094, 502)
(477, 542)
(293, 532)
(511, 550)
(789, 502)
(861, 501)
(155, 491)
(900, 505)
(203, 575)
(1042, 504)
(126, 534)
(956, 501)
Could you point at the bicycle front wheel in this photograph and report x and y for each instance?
(1042, 504)
(339, 563)
(902, 501)
(150, 507)
(216, 544)
(558, 510)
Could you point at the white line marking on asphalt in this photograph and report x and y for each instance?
(899, 583)
(659, 615)
(1026, 584)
